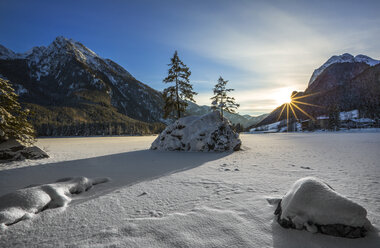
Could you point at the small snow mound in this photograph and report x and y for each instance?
(208, 132)
(24, 203)
(313, 205)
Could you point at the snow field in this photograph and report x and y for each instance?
(213, 200)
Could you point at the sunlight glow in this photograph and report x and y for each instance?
(293, 105)
(282, 95)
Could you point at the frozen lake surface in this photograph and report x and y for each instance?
(190, 199)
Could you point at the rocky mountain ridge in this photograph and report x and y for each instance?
(66, 72)
(344, 58)
(68, 78)
(347, 84)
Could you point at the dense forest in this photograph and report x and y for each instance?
(86, 120)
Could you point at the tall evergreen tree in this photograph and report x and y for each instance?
(13, 119)
(176, 96)
(221, 101)
(334, 117)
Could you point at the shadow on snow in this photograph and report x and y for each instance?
(123, 169)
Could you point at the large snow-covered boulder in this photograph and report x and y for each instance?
(13, 150)
(208, 132)
(313, 205)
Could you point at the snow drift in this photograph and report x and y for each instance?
(24, 203)
(313, 205)
(208, 132)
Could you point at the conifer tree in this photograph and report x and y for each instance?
(334, 117)
(221, 101)
(13, 119)
(176, 96)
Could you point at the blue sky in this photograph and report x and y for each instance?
(266, 49)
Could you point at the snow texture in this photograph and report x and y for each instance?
(310, 203)
(273, 127)
(208, 132)
(192, 199)
(24, 203)
(344, 58)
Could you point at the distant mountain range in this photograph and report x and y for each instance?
(244, 120)
(66, 84)
(345, 82)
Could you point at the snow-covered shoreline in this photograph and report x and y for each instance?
(189, 199)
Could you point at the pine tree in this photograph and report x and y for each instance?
(176, 97)
(220, 100)
(13, 119)
(334, 117)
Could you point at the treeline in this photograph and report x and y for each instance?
(86, 120)
(98, 129)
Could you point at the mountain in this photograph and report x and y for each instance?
(67, 73)
(344, 81)
(73, 91)
(344, 58)
(244, 120)
(68, 86)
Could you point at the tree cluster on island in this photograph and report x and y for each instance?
(177, 95)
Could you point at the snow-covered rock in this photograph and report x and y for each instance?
(344, 58)
(208, 132)
(24, 203)
(15, 150)
(313, 205)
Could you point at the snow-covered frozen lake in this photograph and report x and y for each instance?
(189, 199)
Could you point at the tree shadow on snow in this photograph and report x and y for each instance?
(123, 169)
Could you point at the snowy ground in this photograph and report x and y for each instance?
(179, 199)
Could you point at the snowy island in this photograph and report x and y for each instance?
(209, 132)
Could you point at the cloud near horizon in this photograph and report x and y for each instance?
(266, 49)
(269, 49)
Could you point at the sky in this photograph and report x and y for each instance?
(266, 49)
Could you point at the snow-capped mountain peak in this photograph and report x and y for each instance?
(68, 71)
(366, 59)
(60, 45)
(6, 53)
(344, 58)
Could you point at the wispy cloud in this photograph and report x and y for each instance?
(273, 49)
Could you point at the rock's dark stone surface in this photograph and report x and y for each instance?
(16, 151)
(209, 132)
(338, 230)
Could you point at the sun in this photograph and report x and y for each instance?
(282, 95)
(295, 103)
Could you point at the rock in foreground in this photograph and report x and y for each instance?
(208, 132)
(313, 205)
(13, 150)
